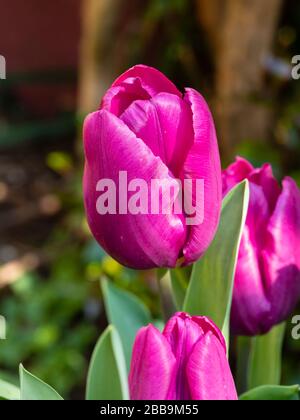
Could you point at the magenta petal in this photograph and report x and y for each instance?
(152, 80)
(182, 334)
(118, 98)
(208, 371)
(165, 125)
(152, 366)
(250, 307)
(236, 173)
(265, 178)
(138, 241)
(203, 163)
(281, 256)
(209, 326)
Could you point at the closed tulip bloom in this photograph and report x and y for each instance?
(148, 129)
(267, 280)
(186, 362)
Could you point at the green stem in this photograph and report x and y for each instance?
(166, 295)
(265, 358)
(243, 345)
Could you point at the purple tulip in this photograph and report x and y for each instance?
(267, 281)
(186, 362)
(148, 129)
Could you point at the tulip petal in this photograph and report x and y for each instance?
(236, 173)
(208, 371)
(152, 366)
(251, 307)
(118, 98)
(265, 178)
(281, 256)
(138, 241)
(165, 125)
(203, 163)
(208, 326)
(152, 80)
(182, 334)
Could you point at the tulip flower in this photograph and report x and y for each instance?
(186, 362)
(147, 130)
(267, 280)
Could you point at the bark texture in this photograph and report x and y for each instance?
(241, 34)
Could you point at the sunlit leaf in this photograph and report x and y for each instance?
(273, 393)
(107, 376)
(211, 285)
(126, 312)
(8, 391)
(34, 389)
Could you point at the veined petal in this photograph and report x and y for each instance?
(264, 177)
(281, 256)
(236, 173)
(208, 371)
(139, 241)
(203, 163)
(152, 366)
(165, 125)
(209, 326)
(152, 80)
(182, 334)
(118, 98)
(251, 307)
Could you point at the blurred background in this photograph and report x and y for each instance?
(61, 57)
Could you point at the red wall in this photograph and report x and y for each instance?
(41, 35)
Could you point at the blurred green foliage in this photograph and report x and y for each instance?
(55, 314)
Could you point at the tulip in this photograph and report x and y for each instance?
(147, 129)
(267, 279)
(186, 362)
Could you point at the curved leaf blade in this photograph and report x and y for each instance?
(9, 391)
(34, 389)
(107, 376)
(273, 393)
(211, 285)
(127, 313)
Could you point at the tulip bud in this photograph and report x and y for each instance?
(147, 131)
(267, 280)
(186, 362)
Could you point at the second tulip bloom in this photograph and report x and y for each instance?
(186, 362)
(267, 280)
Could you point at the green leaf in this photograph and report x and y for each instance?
(33, 389)
(179, 286)
(211, 285)
(8, 391)
(127, 313)
(265, 358)
(273, 393)
(107, 376)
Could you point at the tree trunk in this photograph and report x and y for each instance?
(99, 22)
(241, 33)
